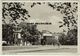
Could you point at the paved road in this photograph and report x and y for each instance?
(42, 49)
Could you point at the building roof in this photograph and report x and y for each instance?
(47, 34)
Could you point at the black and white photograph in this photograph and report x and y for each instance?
(39, 27)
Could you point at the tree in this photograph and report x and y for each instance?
(14, 11)
(72, 37)
(7, 33)
(31, 31)
(62, 39)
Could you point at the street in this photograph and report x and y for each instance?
(39, 49)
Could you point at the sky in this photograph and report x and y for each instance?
(44, 13)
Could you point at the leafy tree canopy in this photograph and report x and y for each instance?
(14, 10)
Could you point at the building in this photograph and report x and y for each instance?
(50, 38)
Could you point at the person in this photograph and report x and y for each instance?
(56, 41)
(24, 38)
(43, 41)
(19, 38)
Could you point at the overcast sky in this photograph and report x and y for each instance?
(44, 13)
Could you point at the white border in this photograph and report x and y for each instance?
(78, 27)
(46, 1)
(40, 1)
(0, 28)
